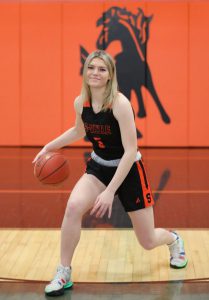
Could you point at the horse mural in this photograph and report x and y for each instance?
(133, 72)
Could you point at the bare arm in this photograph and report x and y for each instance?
(69, 136)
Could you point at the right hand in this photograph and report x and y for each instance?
(43, 151)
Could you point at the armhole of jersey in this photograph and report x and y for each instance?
(86, 104)
(130, 104)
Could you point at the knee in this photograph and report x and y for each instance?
(148, 244)
(72, 209)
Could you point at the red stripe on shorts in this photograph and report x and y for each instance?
(147, 194)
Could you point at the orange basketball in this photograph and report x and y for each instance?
(51, 168)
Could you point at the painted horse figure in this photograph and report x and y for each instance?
(133, 72)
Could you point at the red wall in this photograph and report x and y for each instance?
(40, 64)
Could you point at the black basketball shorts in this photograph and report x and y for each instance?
(134, 192)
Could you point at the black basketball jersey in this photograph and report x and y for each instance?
(102, 130)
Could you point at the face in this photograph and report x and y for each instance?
(97, 73)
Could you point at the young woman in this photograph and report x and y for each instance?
(115, 167)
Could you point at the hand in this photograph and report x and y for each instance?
(43, 151)
(103, 204)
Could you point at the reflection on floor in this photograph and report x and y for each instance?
(132, 291)
(179, 179)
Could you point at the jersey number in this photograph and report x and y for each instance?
(99, 142)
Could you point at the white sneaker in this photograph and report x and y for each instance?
(60, 282)
(178, 257)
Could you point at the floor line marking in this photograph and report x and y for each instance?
(18, 191)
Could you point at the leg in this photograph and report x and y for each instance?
(141, 108)
(135, 194)
(150, 86)
(81, 200)
(148, 236)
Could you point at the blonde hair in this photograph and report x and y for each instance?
(112, 84)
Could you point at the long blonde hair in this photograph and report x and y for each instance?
(112, 84)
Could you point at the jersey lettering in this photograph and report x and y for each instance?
(97, 129)
(100, 143)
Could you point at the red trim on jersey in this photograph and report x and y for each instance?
(86, 104)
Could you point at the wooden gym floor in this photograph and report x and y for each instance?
(108, 253)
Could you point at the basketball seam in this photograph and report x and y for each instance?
(46, 162)
(54, 171)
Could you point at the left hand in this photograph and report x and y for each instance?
(103, 204)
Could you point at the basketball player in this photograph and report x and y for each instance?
(106, 117)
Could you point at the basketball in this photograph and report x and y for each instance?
(51, 168)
